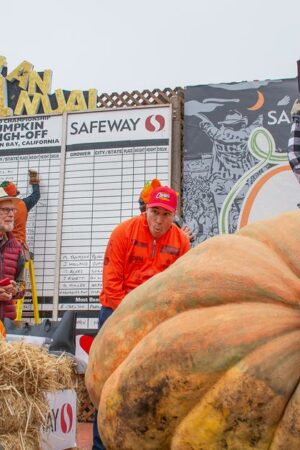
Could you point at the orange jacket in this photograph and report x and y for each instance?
(133, 256)
(20, 221)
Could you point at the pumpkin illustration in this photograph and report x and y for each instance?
(206, 355)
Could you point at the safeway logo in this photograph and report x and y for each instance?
(59, 430)
(66, 418)
(155, 123)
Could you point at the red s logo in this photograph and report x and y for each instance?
(66, 418)
(155, 123)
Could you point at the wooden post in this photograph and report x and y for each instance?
(176, 148)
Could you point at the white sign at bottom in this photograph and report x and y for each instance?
(59, 432)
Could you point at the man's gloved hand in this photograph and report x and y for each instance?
(296, 108)
(188, 231)
(33, 176)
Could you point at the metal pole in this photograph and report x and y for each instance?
(176, 150)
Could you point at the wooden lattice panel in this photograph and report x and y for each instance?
(136, 98)
(85, 408)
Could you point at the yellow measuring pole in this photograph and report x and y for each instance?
(29, 266)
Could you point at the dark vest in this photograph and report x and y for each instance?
(9, 256)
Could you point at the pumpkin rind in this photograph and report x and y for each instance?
(287, 435)
(256, 269)
(181, 364)
(243, 410)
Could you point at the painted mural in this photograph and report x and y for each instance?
(234, 134)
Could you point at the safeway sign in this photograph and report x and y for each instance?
(59, 432)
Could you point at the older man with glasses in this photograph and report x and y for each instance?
(12, 260)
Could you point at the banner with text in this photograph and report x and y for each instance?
(92, 167)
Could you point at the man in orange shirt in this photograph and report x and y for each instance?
(138, 249)
(144, 199)
(23, 206)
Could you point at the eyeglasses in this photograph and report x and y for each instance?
(8, 210)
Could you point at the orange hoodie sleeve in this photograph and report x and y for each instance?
(113, 269)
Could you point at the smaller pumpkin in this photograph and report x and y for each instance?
(2, 329)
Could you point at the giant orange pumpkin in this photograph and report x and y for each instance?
(206, 355)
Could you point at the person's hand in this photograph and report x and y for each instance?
(33, 176)
(11, 288)
(4, 296)
(188, 231)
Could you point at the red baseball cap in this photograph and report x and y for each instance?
(163, 197)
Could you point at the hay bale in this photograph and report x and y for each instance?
(31, 440)
(18, 411)
(27, 373)
(85, 408)
(30, 368)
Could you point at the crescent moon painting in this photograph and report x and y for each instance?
(259, 103)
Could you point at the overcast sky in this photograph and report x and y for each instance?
(118, 45)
